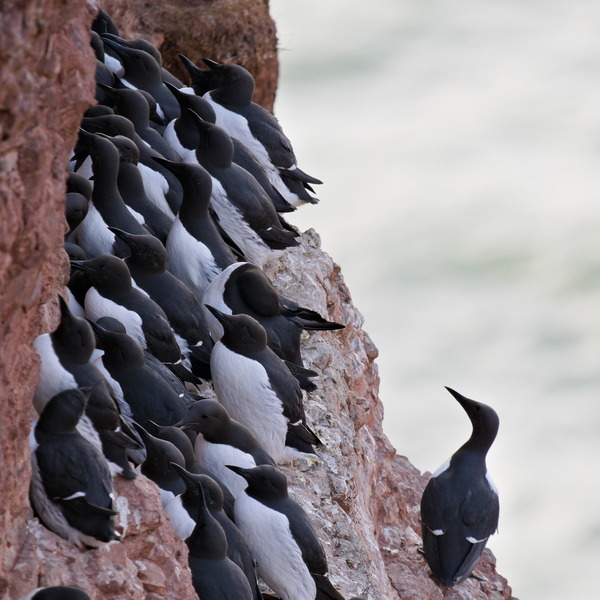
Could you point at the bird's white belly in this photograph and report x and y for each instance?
(189, 259)
(242, 386)
(279, 559)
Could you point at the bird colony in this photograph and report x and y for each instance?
(176, 358)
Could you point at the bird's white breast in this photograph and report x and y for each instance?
(242, 386)
(54, 378)
(278, 556)
(170, 137)
(233, 222)
(214, 457)
(189, 259)
(182, 523)
(156, 186)
(213, 296)
(96, 306)
(93, 234)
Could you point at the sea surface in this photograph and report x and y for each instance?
(459, 143)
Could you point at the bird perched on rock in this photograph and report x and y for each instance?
(289, 555)
(258, 129)
(214, 575)
(183, 512)
(459, 507)
(258, 389)
(242, 288)
(197, 252)
(112, 294)
(71, 487)
(66, 363)
(222, 440)
(244, 209)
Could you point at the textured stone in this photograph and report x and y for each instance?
(363, 498)
(238, 31)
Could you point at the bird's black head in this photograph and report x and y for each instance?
(120, 350)
(235, 84)
(63, 411)
(241, 333)
(207, 417)
(73, 339)
(128, 150)
(147, 251)
(264, 482)
(160, 454)
(214, 143)
(199, 105)
(107, 273)
(484, 419)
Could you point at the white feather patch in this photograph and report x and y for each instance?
(97, 306)
(242, 386)
(278, 556)
(214, 457)
(189, 259)
(232, 221)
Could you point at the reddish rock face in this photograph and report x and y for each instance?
(45, 66)
(237, 31)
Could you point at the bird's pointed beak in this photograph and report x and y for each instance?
(220, 316)
(211, 64)
(239, 470)
(81, 265)
(123, 235)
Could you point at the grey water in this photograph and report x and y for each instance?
(459, 143)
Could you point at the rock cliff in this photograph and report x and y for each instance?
(363, 497)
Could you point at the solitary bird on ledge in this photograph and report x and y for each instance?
(459, 507)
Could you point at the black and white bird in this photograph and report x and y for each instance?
(197, 252)
(289, 555)
(112, 294)
(147, 265)
(161, 187)
(130, 184)
(258, 389)
(244, 209)
(148, 396)
(183, 512)
(182, 136)
(222, 440)
(243, 288)
(142, 71)
(459, 507)
(259, 130)
(160, 455)
(106, 206)
(214, 575)
(71, 486)
(66, 362)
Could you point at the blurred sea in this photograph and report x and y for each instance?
(459, 143)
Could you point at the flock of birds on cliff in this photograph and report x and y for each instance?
(174, 203)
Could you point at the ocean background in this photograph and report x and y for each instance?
(459, 143)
